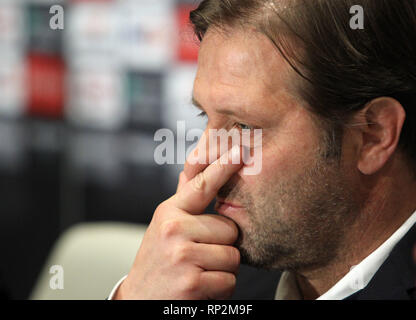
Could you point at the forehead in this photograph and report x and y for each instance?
(239, 65)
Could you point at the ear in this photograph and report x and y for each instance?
(384, 118)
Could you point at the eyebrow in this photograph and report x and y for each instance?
(197, 104)
(223, 111)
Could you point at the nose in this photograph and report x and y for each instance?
(212, 144)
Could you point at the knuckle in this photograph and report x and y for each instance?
(230, 280)
(160, 213)
(234, 255)
(191, 283)
(235, 232)
(221, 164)
(233, 229)
(170, 228)
(182, 253)
(226, 283)
(182, 176)
(198, 183)
(161, 208)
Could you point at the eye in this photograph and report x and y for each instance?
(243, 126)
(203, 114)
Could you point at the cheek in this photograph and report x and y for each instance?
(271, 168)
(281, 160)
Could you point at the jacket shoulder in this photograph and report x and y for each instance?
(396, 278)
(256, 284)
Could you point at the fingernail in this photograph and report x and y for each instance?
(246, 154)
(235, 154)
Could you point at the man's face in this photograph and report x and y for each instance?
(295, 210)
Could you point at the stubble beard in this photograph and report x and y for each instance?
(296, 224)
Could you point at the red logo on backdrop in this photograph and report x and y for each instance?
(188, 42)
(46, 85)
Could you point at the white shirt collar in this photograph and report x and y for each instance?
(356, 279)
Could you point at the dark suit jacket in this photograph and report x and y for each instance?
(394, 280)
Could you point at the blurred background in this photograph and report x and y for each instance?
(79, 108)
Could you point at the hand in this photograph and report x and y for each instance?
(186, 254)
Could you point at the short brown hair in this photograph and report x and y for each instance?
(342, 69)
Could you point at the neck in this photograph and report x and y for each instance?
(387, 205)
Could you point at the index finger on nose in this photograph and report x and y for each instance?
(201, 157)
(195, 162)
(197, 193)
(198, 160)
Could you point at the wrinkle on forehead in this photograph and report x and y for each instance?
(237, 56)
(245, 70)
